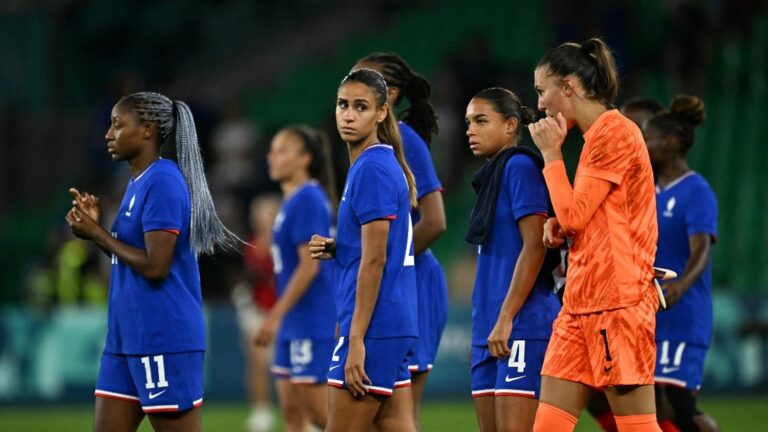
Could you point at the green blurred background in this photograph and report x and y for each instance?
(248, 68)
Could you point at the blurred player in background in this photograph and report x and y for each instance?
(375, 278)
(687, 217)
(604, 335)
(253, 296)
(303, 321)
(416, 129)
(153, 358)
(514, 303)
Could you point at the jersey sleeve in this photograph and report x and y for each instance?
(375, 194)
(701, 215)
(420, 161)
(164, 204)
(608, 155)
(312, 216)
(525, 185)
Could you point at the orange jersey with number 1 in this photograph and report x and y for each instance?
(610, 264)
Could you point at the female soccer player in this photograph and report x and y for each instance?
(604, 335)
(416, 129)
(153, 358)
(304, 318)
(513, 306)
(375, 278)
(687, 216)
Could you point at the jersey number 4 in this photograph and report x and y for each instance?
(161, 382)
(517, 358)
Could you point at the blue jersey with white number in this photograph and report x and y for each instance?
(523, 193)
(306, 212)
(686, 207)
(165, 316)
(376, 189)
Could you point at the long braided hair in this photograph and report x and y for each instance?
(414, 87)
(206, 229)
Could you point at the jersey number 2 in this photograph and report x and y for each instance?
(161, 382)
(409, 259)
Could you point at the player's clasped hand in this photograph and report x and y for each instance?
(554, 236)
(673, 291)
(322, 248)
(354, 371)
(86, 203)
(81, 225)
(549, 133)
(498, 340)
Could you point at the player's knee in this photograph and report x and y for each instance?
(683, 404)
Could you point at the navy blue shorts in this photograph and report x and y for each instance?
(518, 375)
(680, 364)
(158, 382)
(303, 361)
(432, 291)
(385, 364)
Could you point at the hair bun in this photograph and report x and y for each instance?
(689, 108)
(527, 115)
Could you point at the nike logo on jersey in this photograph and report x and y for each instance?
(333, 367)
(154, 395)
(667, 370)
(508, 379)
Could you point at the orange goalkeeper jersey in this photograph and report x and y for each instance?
(610, 215)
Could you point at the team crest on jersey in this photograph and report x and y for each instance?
(670, 206)
(130, 205)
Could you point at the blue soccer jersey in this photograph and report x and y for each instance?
(420, 162)
(162, 316)
(686, 207)
(523, 193)
(306, 212)
(376, 189)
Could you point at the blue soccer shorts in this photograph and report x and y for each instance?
(386, 364)
(517, 375)
(432, 290)
(680, 364)
(158, 382)
(303, 361)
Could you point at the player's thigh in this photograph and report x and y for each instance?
(515, 413)
(631, 399)
(418, 383)
(314, 402)
(485, 411)
(346, 413)
(288, 400)
(113, 415)
(396, 412)
(569, 396)
(184, 421)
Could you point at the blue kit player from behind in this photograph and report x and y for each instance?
(153, 356)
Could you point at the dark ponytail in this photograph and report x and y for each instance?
(508, 105)
(591, 62)
(414, 87)
(206, 229)
(685, 113)
(316, 144)
(387, 130)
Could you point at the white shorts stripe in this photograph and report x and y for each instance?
(483, 392)
(303, 379)
(504, 392)
(379, 389)
(112, 394)
(402, 383)
(666, 380)
(333, 381)
(198, 402)
(280, 370)
(159, 408)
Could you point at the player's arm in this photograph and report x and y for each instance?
(373, 258)
(700, 245)
(523, 278)
(432, 223)
(300, 281)
(153, 263)
(574, 207)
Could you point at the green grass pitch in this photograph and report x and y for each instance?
(733, 414)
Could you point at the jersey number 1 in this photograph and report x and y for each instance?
(161, 382)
